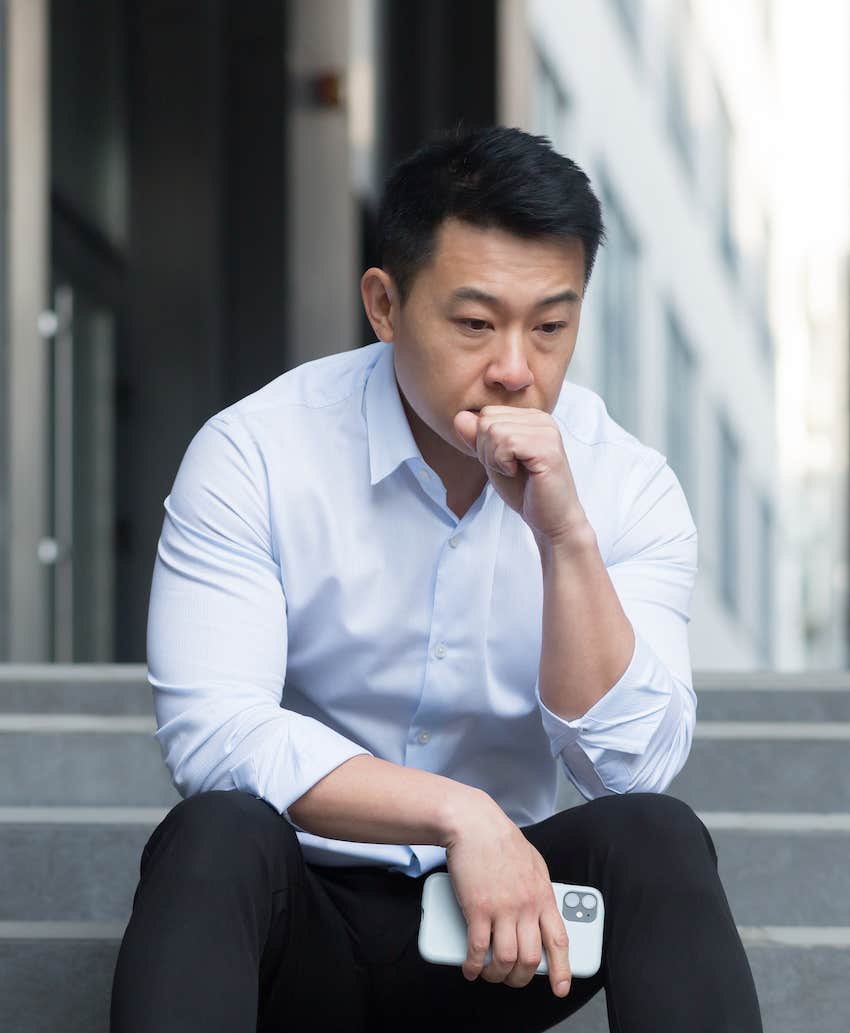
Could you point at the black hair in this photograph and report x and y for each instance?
(496, 176)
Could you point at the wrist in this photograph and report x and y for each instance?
(578, 538)
(460, 808)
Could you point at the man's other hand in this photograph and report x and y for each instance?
(503, 886)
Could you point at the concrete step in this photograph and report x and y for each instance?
(758, 771)
(72, 864)
(773, 767)
(785, 879)
(75, 689)
(754, 705)
(68, 970)
(112, 760)
(82, 864)
(798, 989)
(54, 978)
(82, 760)
(721, 695)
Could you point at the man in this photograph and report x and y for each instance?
(394, 589)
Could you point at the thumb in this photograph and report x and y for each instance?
(466, 428)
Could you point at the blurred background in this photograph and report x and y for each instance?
(188, 199)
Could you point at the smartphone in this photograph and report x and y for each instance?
(443, 930)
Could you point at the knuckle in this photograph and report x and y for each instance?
(505, 957)
(481, 903)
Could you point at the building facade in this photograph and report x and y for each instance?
(189, 193)
(674, 126)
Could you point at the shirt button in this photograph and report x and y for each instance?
(441, 650)
(425, 475)
(424, 737)
(453, 541)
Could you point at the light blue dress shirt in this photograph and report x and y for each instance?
(314, 598)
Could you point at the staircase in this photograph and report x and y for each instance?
(769, 775)
(83, 785)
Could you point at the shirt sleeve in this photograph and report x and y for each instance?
(637, 737)
(217, 634)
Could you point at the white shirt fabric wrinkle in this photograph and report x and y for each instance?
(314, 598)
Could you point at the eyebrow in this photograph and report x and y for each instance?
(474, 294)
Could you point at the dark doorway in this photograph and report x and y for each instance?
(168, 230)
(436, 67)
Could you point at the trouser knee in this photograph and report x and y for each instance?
(221, 834)
(654, 835)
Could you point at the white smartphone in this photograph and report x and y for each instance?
(443, 930)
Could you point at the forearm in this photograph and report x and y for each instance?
(587, 640)
(370, 800)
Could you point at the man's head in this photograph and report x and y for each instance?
(496, 212)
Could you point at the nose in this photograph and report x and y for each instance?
(510, 367)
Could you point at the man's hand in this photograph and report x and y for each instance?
(523, 454)
(502, 884)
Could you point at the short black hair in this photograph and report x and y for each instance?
(495, 176)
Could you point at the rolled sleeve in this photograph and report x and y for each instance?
(637, 737)
(217, 635)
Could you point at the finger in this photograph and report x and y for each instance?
(519, 413)
(529, 950)
(556, 945)
(504, 950)
(497, 450)
(504, 458)
(501, 443)
(477, 943)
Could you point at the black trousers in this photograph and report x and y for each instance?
(231, 932)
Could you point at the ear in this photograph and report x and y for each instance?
(380, 301)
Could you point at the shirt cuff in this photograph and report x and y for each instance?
(626, 717)
(281, 776)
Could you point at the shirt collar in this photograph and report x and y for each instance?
(391, 440)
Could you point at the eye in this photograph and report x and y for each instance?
(553, 328)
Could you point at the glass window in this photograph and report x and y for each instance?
(630, 13)
(681, 365)
(619, 263)
(728, 492)
(88, 104)
(550, 103)
(723, 136)
(678, 114)
(766, 575)
(761, 290)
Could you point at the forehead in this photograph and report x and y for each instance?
(462, 250)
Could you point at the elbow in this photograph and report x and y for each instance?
(206, 746)
(657, 768)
